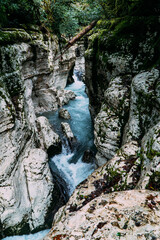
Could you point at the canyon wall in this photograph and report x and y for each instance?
(31, 81)
(120, 200)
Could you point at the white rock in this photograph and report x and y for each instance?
(144, 110)
(125, 215)
(67, 131)
(30, 77)
(40, 185)
(6, 108)
(47, 135)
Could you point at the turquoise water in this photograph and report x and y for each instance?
(69, 164)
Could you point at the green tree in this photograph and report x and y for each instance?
(15, 12)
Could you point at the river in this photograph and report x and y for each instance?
(69, 163)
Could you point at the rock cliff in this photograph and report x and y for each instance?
(120, 200)
(123, 85)
(30, 82)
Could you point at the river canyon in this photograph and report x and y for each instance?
(79, 136)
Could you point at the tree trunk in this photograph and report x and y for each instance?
(77, 37)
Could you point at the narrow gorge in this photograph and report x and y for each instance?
(80, 134)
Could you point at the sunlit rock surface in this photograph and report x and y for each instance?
(120, 215)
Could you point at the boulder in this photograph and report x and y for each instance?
(69, 134)
(64, 96)
(48, 138)
(63, 113)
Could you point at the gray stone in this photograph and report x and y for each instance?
(67, 131)
(150, 157)
(125, 215)
(63, 113)
(47, 136)
(144, 107)
(111, 119)
(69, 134)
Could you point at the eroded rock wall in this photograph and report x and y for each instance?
(30, 82)
(123, 95)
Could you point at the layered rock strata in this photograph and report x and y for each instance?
(30, 82)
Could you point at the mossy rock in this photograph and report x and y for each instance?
(138, 36)
(154, 182)
(19, 229)
(13, 36)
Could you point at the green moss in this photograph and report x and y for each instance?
(154, 182)
(124, 35)
(151, 153)
(14, 36)
(20, 228)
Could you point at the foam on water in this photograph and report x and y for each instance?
(72, 173)
(35, 236)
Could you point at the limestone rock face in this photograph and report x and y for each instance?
(39, 181)
(144, 104)
(111, 119)
(79, 68)
(127, 101)
(28, 85)
(150, 156)
(47, 135)
(6, 118)
(124, 100)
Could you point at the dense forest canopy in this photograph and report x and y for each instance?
(60, 16)
(68, 16)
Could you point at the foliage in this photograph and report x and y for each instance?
(61, 16)
(130, 27)
(121, 8)
(66, 17)
(15, 12)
